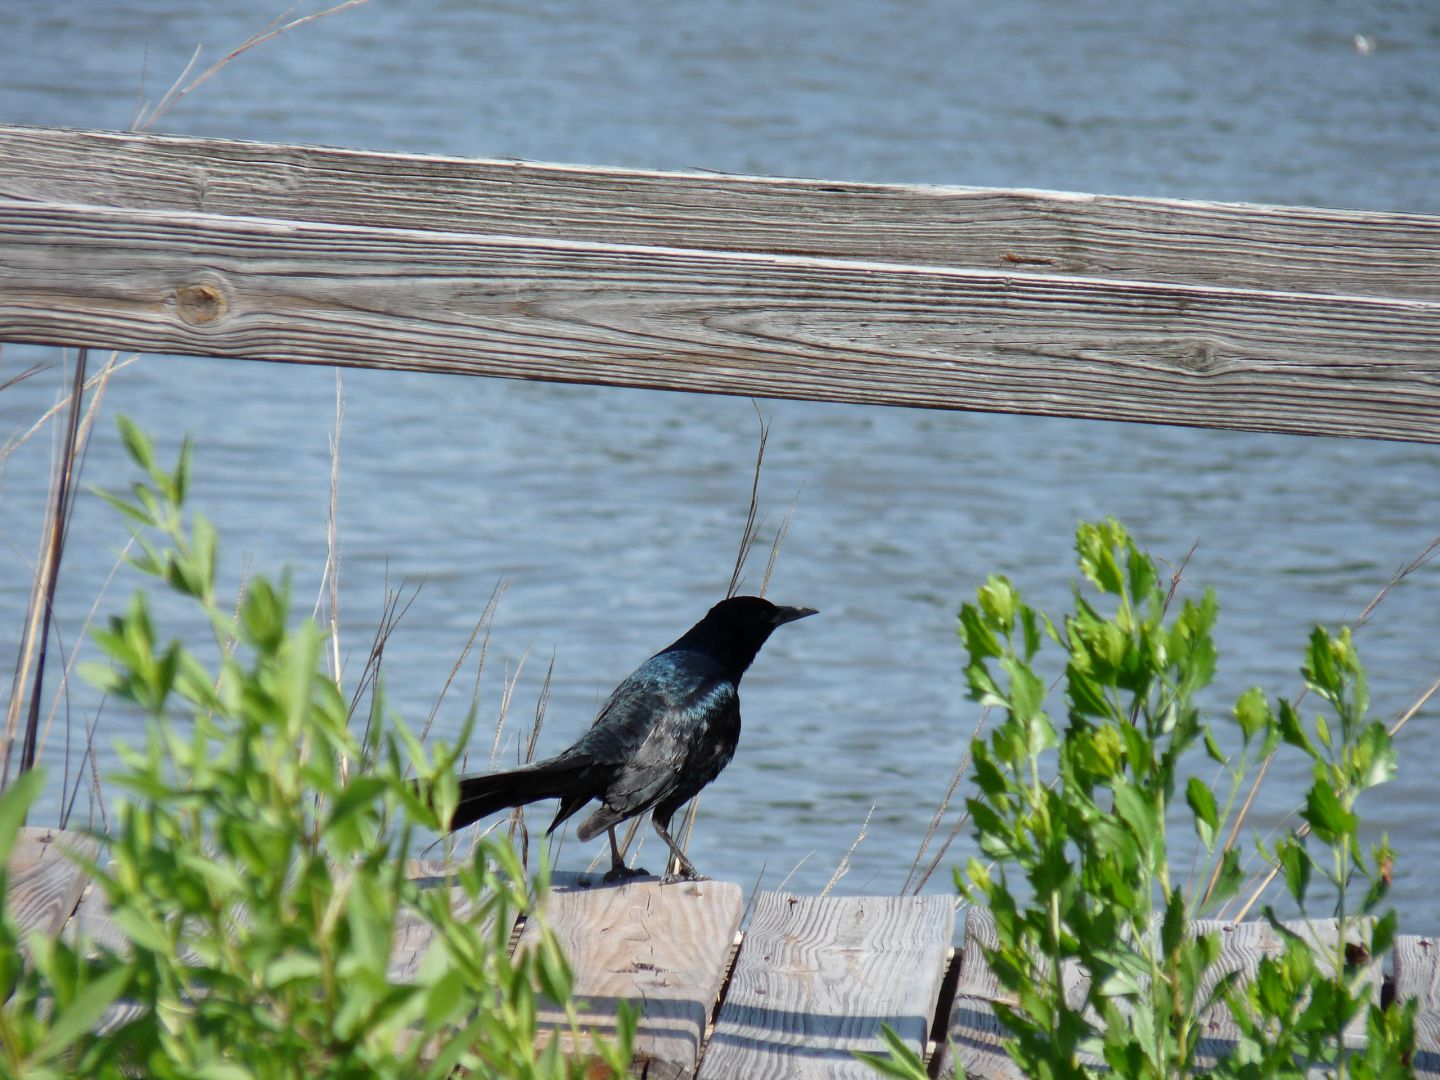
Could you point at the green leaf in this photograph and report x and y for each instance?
(1252, 713)
(1201, 801)
(903, 1062)
(980, 639)
(1297, 864)
(137, 443)
(1374, 757)
(292, 966)
(1292, 731)
(180, 480)
(999, 601)
(1230, 878)
(1320, 669)
(81, 1014)
(262, 616)
(15, 803)
(223, 1070)
(1327, 816)
(1387, 928)
(1137, 810)
(362, 793)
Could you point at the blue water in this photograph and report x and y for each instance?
(613, 515)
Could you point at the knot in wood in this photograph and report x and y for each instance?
(198, 305)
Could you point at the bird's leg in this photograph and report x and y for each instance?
(686, 871)
(618, 870)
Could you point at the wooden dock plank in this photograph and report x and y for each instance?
(975, 1038)
(44, 886)
(413, 933)
(1417, 976)
(662, 947)
(1199, 243)
(817, 976)
(1243, 946)
(704, 321)
(974, 1032)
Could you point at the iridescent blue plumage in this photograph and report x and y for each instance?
(665, 732)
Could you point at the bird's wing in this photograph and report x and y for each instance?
(689, 739)
(660, 694)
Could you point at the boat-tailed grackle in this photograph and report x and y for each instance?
(665, 733)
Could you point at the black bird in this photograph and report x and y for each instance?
(665, 733)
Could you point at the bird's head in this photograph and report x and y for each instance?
(734, 630)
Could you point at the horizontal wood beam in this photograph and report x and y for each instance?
(1163, 240)
(715, 321)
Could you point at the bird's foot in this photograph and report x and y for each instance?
(683, 874)
(625, 873)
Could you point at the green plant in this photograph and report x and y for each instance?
(1301, 1003)
(1096, 949)
(257, 874)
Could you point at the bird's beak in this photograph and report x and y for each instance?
(790, 614)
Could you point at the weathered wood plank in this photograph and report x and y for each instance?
(771, 326)
(44, 886)
(817, 976)
(974, 1033)
(1284, 248)
(1243, 946)
(662, 947)
(93, 925)
(413, 933)
(1417, 975)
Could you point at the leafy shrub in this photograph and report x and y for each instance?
(257, 873)
(1081, 816)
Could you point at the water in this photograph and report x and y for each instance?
(614, 514)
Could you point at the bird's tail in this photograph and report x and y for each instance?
(484, 794)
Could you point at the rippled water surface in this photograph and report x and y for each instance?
(614, 514)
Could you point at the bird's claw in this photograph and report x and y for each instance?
(683, 875)
(624, 873)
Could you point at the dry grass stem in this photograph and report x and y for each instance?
(179, 88)
(780, 535)
(392, 611)
(752, 524)
(506, 693)
(483, 626)
(99, 380)
(33, 369)
(793, 871)
(68, 670)
(36, 638)
(939, 816)
(1268, 877)
(844, 866)
(331, 579)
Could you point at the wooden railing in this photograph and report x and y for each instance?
(1247, 317)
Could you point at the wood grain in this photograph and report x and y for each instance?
(44, 886)
(1417, 975)
(974, 1032)
(817, 976)
(661, 947)
(772, 326)
(1198, 243)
